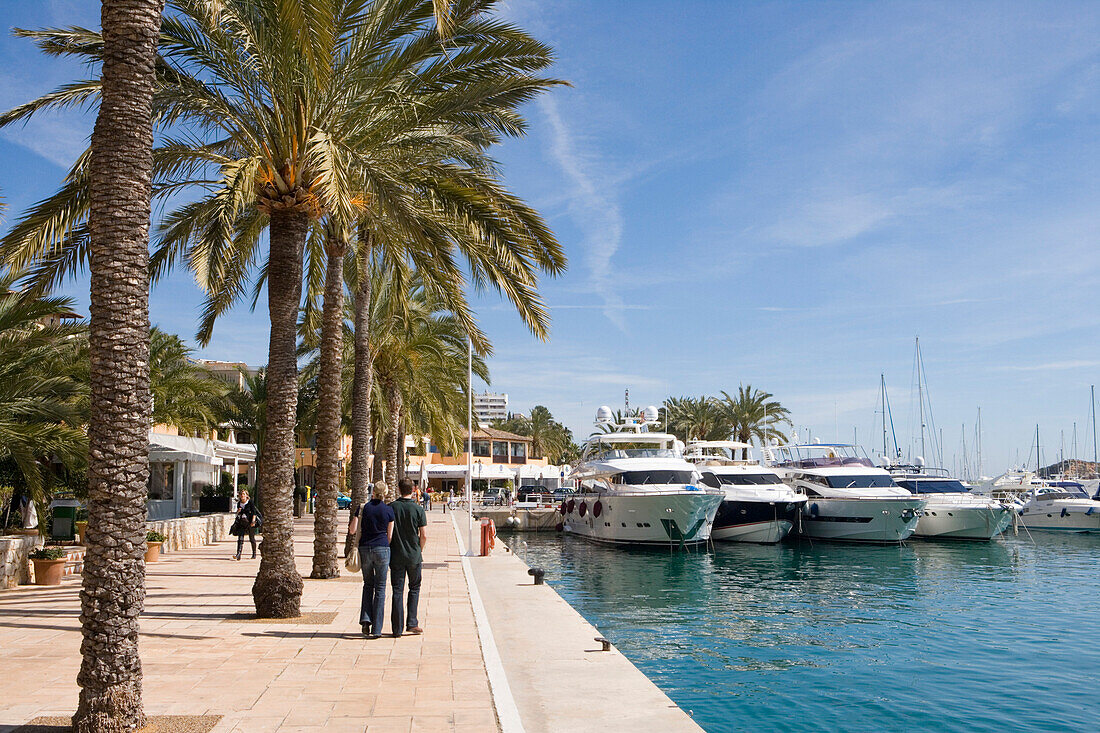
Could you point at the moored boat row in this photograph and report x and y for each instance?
(640, 487)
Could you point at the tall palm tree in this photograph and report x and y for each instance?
(753, 414)
(695, 418)
(120, 166)
(185, 395)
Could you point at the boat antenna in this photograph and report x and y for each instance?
(978, 440)
(626, 410)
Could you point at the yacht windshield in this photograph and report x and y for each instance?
(748, 479)
(859, 482)
(640, 478)
(924, 486)
(1052, 494)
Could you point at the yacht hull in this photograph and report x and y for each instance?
(963, 523)
(755, 521)
(878, 521)
(644, 518)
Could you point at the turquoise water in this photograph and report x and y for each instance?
(928, 636)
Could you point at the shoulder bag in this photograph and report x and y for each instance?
(352, 562)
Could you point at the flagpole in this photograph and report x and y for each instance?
(469, 447)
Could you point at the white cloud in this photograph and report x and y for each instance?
(594, 207)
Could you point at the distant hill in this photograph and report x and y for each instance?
(1070, 467)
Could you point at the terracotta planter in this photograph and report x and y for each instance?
(48, 572)
(152, 551)
(81, 528)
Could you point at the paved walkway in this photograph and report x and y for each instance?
(198, 659)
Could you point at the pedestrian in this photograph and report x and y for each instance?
(406, 558)
(427, 497)
(247, 523)
(373, 522)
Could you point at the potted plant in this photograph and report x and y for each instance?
(153, 542)
(49, 565)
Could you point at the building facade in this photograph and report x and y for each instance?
(490, 407)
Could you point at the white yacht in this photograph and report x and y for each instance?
(1062, 506)
(849, 499)
(635, 488)
(952, 511)
(757, 506)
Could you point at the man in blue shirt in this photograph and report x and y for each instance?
(406, 559)
(374, 521)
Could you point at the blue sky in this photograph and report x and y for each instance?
(781, 194)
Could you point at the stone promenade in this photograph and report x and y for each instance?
(202, 656)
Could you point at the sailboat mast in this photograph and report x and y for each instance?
(978, 439)
(1038, 464)
(1092, 389)
(882, 390)
(920, 399)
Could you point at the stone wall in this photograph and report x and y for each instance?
(193, 531)
(15, 565)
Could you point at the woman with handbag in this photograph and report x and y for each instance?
(372, 525)
(248, 522)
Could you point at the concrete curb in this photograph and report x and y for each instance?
(505, 704)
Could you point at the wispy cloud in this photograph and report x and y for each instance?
(1052, 366)
(595, 209)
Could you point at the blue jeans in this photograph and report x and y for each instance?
(375, 562)
(398, 572)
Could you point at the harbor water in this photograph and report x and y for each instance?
(934, 636)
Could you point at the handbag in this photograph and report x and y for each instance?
(353, 562)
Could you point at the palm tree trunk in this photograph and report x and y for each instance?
(361, 384)
(401, 446)
(112, 593)
(329, 401)
(393, 402)
(277, 591)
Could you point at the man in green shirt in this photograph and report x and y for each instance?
(406, 559)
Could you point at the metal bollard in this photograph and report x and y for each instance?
(537, 574)
(605, 643)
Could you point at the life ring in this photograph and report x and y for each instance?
(572, 505)
(597, 508)
(584, 508)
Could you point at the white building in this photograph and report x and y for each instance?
(181, 467)
(489, 407)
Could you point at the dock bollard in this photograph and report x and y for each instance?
(606, 644)
(537, 574)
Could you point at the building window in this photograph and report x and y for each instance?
(519, 450)
(162, 484)
(481, 448)
(500, 450)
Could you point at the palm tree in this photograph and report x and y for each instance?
(41, 394)
(695, 418)
(549, 438)
(293, 120)
(753, 414)
(120, 166)
(184, 394)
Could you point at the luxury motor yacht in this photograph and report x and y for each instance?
(635, 488)
(952, 511)
(849, 499)
(757, 506)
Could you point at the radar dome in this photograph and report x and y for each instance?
(651, 414)
(604, 414)
(920, 460)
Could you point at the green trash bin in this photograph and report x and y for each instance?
(64, 519)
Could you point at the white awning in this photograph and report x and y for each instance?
(170, 448)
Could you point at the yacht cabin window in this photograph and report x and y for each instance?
(641, 478)
(859, 482)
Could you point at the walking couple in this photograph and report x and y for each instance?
(391, 537)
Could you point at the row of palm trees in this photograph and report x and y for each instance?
(345, 135)
(549, 438)
(750, 414)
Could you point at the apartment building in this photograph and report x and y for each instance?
(489, 407)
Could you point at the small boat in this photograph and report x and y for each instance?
(952, 510)
(757, 506)
(849, 499)
(635, 488)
